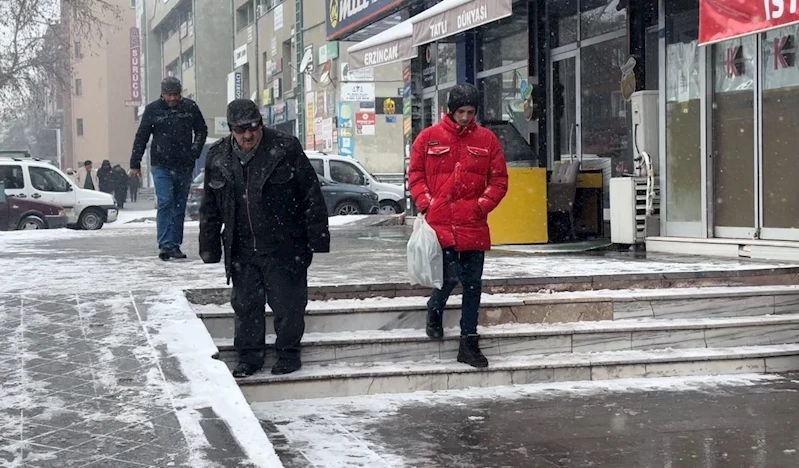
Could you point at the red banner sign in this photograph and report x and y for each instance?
(724, 19)
(135, 68)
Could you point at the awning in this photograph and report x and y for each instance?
(720, 20)
(392, 45)
(451, 17)
(447, 18)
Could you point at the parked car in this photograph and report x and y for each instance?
(346, 170)
(21, 214)
(340, 199)
(28, 178)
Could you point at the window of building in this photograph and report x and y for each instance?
(78, 87)
(132, 4)
(78, 50)
(598, 17)
(447, 70)
(504, 42)
(346, 173)
(683, 111)
(79, 127)
(13, 177)
(288, 70)
(245, 15)
(187, 59)
(48, 180)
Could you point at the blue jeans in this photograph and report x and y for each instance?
(466, 268)
(172, 191)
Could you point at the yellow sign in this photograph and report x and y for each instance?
(334, 13)
(389, 106)
(266, 97)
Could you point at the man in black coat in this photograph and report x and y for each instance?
(261, 187)
(179, 132)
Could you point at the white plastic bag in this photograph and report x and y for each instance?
(425, 258)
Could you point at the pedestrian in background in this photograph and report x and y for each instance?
(86, 178)
(134, 182)
(179, 131)
(105, 176)
(261, 188)
(119, 179)
(457, 176)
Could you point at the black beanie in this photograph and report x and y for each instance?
(171, 85)
(464, 94)
(243, 112)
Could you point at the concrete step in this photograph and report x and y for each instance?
(745, 276)
(498, 309)
(519, 340)
(342, 380)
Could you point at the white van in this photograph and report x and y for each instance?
(348, 170)
(41, 181)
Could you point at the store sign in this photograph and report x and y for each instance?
(365, 118)
(343, 16)
(382, 54)
(720, 20)
(388, 106)
(327, 52)
(357, 92)
(435, 24)
(135, 69)
(279, 113)
(240, 56)
(363, 74)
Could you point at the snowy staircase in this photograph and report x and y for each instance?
(355, 347)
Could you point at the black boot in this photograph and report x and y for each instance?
(469, 352)
(286, 366)
(177, 253)
(435, 326)
(245, 369)
(165, 254)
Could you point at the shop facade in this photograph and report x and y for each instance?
(729, 143)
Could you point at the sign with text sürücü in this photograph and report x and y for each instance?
(725, 19)
(135, 69)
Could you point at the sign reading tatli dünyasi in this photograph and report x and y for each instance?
(725, 19)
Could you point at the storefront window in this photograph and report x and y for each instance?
(562, 19)
(502, 99)
(504, 42)
(603, 109)
(598, 17)
(683, 114)
(734, 132)
(780, 123)
(447, 70)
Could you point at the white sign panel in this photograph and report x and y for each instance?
(357, 92)
(364, 74)
(234, 86)
(274, 46)
(279, 17)
(249, 34)
(240, 56)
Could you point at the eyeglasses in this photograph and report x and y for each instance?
(241, 129)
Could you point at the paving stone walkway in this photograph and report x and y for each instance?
(83, 386)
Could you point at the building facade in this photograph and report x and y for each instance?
(192, 40)
(93, 108)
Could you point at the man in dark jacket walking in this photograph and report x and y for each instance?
(179, 131)
(261, 187)
(457, 176)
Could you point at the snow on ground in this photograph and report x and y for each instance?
(336, 432)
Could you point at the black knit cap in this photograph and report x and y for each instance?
(464, 94)
(171, 85)
(243, 112)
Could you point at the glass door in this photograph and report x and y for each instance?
(429, 109)
(564, 133)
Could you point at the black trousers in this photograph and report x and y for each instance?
(257, 281)
(466, 268)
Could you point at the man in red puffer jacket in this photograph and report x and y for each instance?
(458, 175)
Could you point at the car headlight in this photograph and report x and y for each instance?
(62, 213)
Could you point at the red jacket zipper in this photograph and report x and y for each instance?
(249, 217)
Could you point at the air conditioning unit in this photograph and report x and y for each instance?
(631, 220)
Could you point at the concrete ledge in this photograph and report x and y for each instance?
(351, 380)
(749, 277)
